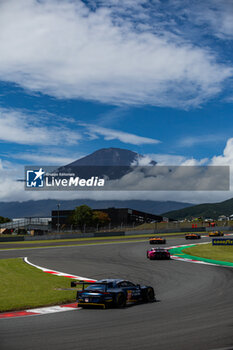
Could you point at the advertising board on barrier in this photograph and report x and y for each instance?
(222, 241)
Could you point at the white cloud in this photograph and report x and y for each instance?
(218, 14)
(22, 128)
(167, 159)
(109, 134)
(172, 160)
(190, 141)
(45, 159)
(64, 49)
(227, 157)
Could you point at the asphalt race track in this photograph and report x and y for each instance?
(194, 311)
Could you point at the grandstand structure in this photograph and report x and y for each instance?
(28, 224)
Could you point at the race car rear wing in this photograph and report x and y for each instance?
(83, 283)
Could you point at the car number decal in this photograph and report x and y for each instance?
(129, 294)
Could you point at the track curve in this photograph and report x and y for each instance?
(195, 308)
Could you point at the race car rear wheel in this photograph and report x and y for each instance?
(120, 300)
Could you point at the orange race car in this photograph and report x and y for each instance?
(192, 236)
(157, 240)
(216, 233)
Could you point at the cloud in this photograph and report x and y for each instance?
(190, 141)
(111, 54)
(27, 129)
(11, 190)
(167, 159)
(218, 15)
(109, 134)
(227, 157)
(229, 99)
(42, 158)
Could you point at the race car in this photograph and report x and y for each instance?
(157, 240)
(216, 233)
(192, 236)
(112, 293)
(157, 254)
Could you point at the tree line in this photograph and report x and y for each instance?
(4, 220)
(83, 217)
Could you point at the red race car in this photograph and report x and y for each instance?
(158, 254)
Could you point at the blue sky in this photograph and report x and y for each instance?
(154, 77)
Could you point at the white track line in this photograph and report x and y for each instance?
(48, 309)
(58, 273)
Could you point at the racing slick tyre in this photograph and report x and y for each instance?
(149, 295)
(120, 300)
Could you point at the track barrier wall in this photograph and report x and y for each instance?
(110, 234)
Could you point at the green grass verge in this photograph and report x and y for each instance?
(211, 252)
(24, 287)
(97, 238)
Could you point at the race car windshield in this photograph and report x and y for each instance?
(100, 287)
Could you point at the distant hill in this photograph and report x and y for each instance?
(44, 207)
(206, 210)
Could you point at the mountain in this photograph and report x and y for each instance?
(111, 162)
(109, 157)
(43, 208)
(206, 210)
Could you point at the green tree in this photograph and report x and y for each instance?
(100, 218)
(3, 220)
(82, 216)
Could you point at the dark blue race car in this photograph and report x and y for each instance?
(112, 293)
